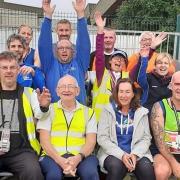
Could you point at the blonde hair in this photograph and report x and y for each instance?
(162, 56)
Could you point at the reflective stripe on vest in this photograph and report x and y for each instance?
(102, 94)
(31, 131)
(69, 138)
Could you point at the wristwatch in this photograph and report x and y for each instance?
(82, 156)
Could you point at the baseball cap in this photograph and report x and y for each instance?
(119, 53)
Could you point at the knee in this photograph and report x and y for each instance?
(33, 172)
(51, 175)
(162, 171)
(161, 167)
(91, 174)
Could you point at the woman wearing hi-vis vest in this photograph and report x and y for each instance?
(106, 78)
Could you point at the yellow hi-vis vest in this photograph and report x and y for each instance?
(69, 138)
(102, 93)
(30, 126)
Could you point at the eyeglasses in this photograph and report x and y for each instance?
(64, 48)
(68, 86)
(5, 68)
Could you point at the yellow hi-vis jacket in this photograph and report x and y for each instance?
(69, 138)
(102, 93)
(30, 126)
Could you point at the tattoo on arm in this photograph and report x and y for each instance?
(158, 130)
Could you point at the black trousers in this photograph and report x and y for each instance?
(24, 165)
(117, 170)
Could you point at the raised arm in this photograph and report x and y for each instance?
(142, 75)
(157, 124)
(99, 53)
(45, 38)
(83, 45)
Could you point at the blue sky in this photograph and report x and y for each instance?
(61, 5)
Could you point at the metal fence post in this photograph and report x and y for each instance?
(177, 40)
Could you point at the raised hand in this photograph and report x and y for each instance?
(99, 21)
(79, 7)
(48, 10)
(44, 97)
(156, 41)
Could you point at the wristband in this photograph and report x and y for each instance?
(82, 156)
(44, 109)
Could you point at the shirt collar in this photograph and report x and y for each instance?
(78, 106)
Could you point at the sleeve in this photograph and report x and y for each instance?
(36, 108)
(38, 79)
(142, 145)
(83, 45)
(45, 124)
(103, 136)
(100, 60)
(45, 45)
(142, 79)
(91, 125)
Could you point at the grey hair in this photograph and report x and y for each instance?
(68, 76)
(8, 55)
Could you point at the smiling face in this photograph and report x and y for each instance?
(63, 31)
(125, 94)
(109, 40)
(64, 51)
(162, 66)
(26, 32)
(117, 63)
(146, 39)
(175, 86)
(67, 88)
(8, 72)
(17, 47)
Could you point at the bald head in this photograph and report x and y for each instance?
(175, 77)
(67, 88)
(66, 79)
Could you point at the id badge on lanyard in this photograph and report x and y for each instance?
(5, 141)
(6, 131)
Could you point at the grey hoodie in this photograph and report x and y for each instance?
(107, 139)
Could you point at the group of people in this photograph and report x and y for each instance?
(48, 131)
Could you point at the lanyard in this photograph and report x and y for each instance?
(176, 115)
(113, 79)
(3, 116)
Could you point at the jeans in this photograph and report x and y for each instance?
(86, 170)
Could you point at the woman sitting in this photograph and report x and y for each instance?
(124, 136)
